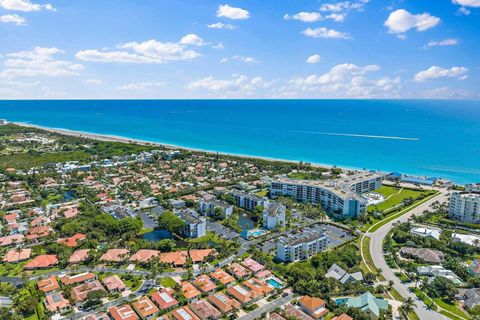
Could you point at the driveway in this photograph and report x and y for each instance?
(376, 251)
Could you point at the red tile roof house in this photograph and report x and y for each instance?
(85, 277)
(223, 302)
(124, 312)
(223, 277)
(98, 316)
(79, 293)
(114, 284)
(314, 307)
(10, 218)
(12, 239)
(292, 312)
(241, 294)
(48, 285)
(184, 313)
(72, 242)
(238, 271)
(200, 254)
(253, 265)
(145, 308)
(78, 256)
(257, 287)
(114, 255)
(41, 261)
(17, 255)
(56, 303)
(164, 299)
(205, 284)
(38, 232)
(177, 258)
(70, 212)
(205, 310)
(38, 222)
(343, 316)
(189, 291)
(144, 255)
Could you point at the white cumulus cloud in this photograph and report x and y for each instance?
(443, 43)
(400, 21)
(39, 62)
(234, 13)
(140, 86)
(323, 32)
(237, 85)
(151, 51)
(241, 59)
(305, 16)
(468, 3)
(13, 18)
(221, 25)
(24, 5)
(435, 72)
(313, 59)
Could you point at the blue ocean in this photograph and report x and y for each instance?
(419, 137)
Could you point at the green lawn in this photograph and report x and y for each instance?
(451, 308)
(167, 282)
(413, 316)
(395, 197)
(394, 293)
(367, 255)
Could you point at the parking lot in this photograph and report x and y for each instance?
(221, 230)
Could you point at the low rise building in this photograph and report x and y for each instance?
(195, 226)
(274, 216)
(211, 206)
(248, 201)
(299, 246)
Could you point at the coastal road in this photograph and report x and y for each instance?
(376, 251)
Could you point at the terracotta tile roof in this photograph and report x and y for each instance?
(200, 255)
(178, 258)
(48, 284)
(15, 255)
(114, 255)
(79, 256)
(184, 313)
(145, 307)
(56, 301)
(124, 312)
(222, 276)
(73, 240)
(164, 299)
(9, 218)
(343, 316)
(12, 239)
(223, 302)
(238, 270)
(144, 255)
(67, 280)
(38, 232)
(205, 310)
(252, 265)
(313, 306)
(293, 312)
(258, 287)
(79, 293)
(114, 283)
(42, 261)
(275, 316)
(189, 291)
(240, 293)
(204, 283)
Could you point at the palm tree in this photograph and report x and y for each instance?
(407, 307)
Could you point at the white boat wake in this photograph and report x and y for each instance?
(357, 135)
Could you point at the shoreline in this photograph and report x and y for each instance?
(121, 139)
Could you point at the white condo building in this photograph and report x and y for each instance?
(195, 226)
(341, 197)
(249, 201)
(465, 206)
(300, 246)
(208, 207)
(274, 216)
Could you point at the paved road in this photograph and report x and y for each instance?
(376, 251)
(257, 313)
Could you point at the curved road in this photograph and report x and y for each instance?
(376, 251)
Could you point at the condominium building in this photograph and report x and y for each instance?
(465, 206)
(195, 226)
(208, 207)
(249, 201)
(274, 216)
(301, 246)
(341, 197)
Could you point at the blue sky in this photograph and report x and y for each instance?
(239, 49)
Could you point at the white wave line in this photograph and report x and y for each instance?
(356, 135)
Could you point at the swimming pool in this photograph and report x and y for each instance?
(274, 283)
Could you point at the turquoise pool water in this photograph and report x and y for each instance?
(275, 284)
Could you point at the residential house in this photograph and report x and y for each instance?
(224, 303)
(17, 255)
(368, 303)
(145, 308)
(78, 256)
(41, 262)
(439, 271)
(79, 293)
(48, 285)
(177, 258)
(223, 277)
(241, 294)
(199, 255)
(124, 312)
(238, 270)
(144, 255)
(294, 313)
(184, 313)
(56, 303)
(253, 265)
(205, 284)
(426, 232)
(314, 307)
(341, 275)
(114, 255)
(68, 280)
(189, 291)
(114, 284)
(164, 299)
(204, 310)
(427, 255)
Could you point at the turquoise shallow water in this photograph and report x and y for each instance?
(421, 137)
